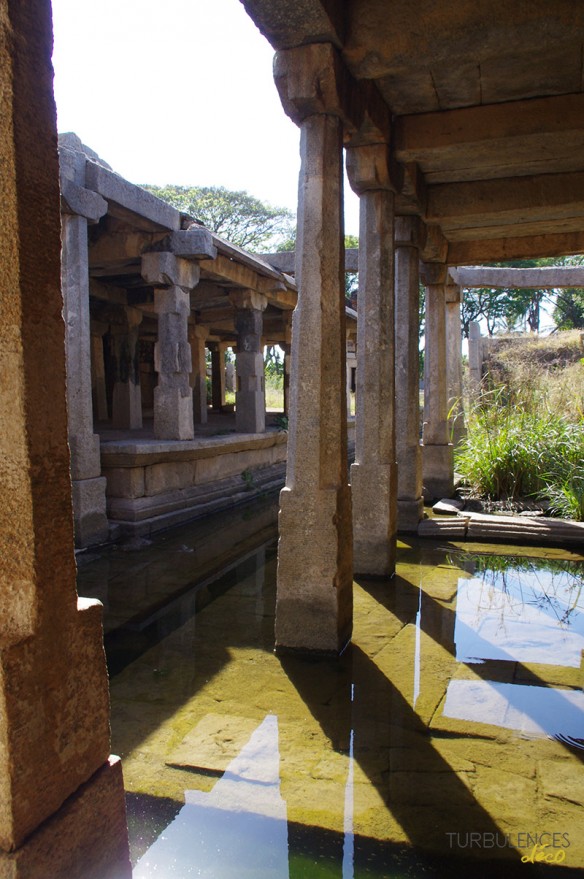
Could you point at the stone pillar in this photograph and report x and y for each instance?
(88, 485)
(314, 595)
(250, 395)
(454, 364)
(286, 347)
(61, 798)
(218, 376)
(127, 396)
(410, 503)
(173, 279)
(197, 337)
(438, 462)
(374, 473)
(98, 389)
(475, 357)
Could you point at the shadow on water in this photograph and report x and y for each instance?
(389, 762)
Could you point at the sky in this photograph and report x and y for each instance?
(177, 92)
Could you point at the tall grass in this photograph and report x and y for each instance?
(526, 439)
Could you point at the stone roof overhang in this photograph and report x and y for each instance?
(481, 106)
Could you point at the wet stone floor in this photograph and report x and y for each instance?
(446, 741)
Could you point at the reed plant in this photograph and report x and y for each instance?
(522, 442)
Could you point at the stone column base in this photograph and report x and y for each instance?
(89, 511)
(173, 414)
(86, 839)
(438, 471)
(314, 605)
(374, 489)
(409, 515)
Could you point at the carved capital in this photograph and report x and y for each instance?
(310, 81)
(409, 231)
(248, 299)
(166, 270)
(433, 274)
(435, 248)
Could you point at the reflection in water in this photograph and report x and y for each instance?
(243, 764)
(524, 616)
(238, 829)
(529, 710)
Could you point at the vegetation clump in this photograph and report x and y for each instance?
(526, 431)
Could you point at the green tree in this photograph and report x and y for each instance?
(237, 216)
(568, 313)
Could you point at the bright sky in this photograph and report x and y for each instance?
(177, 92)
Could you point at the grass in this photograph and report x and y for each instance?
(526, 434)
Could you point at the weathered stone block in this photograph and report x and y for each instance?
(125, 482)
(168, 477)
(89, 510)
(54, 721)
(173, 414)
(86, 839)
(438, 469)
(85, 463)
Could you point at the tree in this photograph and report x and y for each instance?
(237, 216)
(569, 309)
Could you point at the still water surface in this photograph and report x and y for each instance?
(446, 741)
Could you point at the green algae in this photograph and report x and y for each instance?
(365, 736)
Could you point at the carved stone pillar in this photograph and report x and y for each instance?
(89, 503)
(374, 473)
(54, 705)
(197, 336)
(410, 503)
(127, 398)
(250, 399)
(438, 462)
(314, 598)
(454, 363)
(173, 279)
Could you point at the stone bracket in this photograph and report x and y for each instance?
(368, 168)
(248, 299)
(82, 202)
(192, 243)
(167, 270)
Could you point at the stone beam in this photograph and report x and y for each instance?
(514, 247)
(543, 199)
(498, 139)
(550, 277)
(284, 261)
(275, 290)
(133, 199)
(293, 22)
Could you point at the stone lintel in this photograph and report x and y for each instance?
(433, 274)
(548, 277)
(409, 231)
(83, 202)
(368, 168)
(131, 197)
(166, 269)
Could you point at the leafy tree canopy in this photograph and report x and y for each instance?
(237, 216)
